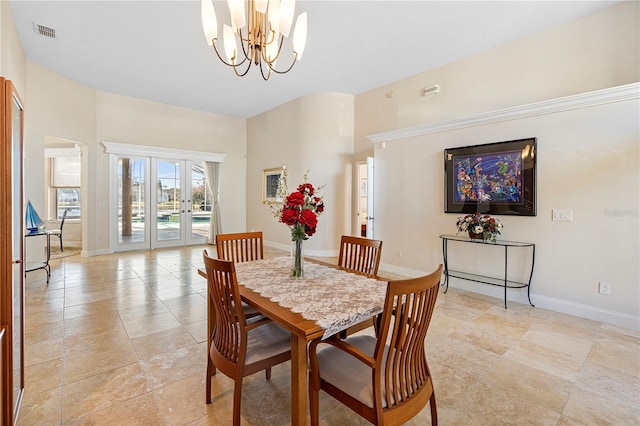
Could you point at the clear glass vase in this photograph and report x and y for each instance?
(297, 256)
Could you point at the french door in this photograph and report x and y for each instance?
(161, 202)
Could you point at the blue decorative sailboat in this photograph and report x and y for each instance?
(32, 220)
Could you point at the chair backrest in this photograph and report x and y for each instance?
(229, 337)
(359, 254)
(240, 247)
(64, 217)
(400, 351)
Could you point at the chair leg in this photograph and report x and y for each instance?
(210, 374)
(237, 399)
(61, 249)
(267, 373)
(434, 411)
(314, 401)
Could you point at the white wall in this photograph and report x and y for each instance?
(588, 160)
(314, 132)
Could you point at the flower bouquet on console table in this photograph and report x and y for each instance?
(479, 226)
(300, 212)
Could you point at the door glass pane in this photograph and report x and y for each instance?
(170, 203)
(17, 276)
(131, 200)
(201, 197)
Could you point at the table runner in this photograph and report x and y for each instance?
(333, 298)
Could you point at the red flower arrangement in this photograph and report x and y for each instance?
(300, 211)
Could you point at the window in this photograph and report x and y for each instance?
(65, 183)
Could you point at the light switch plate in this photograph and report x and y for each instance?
(564, 215)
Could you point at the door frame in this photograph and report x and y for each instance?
(116, 149)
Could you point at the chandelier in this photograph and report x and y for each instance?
(260, 31)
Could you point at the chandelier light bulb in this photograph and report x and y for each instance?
(300, 35)
(209, 21)
(230, 47)
(236, 8)
(287, 7)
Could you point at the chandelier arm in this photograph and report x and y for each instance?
(265, 77)
(243, 73)
(246, 50)
(290, 66)
(222, 59)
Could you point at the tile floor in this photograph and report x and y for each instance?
(121, 340)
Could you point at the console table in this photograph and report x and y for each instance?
(43, 264)
(501, 281)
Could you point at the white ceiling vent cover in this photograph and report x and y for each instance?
(44, 30)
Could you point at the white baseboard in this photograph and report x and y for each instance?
(516, 295)
(90, 253)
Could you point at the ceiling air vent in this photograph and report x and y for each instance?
(45, 31)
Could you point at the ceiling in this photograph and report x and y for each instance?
(156, 50)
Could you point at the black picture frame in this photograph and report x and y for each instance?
(496, 178)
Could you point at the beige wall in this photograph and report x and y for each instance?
(314, 132)
(62, 108)
(588, 161)
(12, 59)
(134, 121)
(594, 52)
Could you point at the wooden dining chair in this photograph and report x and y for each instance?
(239, 346)
(359, 255)
(240, 247)
(384, 379)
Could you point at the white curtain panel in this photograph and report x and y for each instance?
(212, 176)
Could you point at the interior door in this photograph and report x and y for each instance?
(370, 193)
(11, 252)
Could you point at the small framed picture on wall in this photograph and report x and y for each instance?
(270, 181)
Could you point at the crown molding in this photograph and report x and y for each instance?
(583, 100)
(151, 151)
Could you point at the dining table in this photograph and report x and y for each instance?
(327, 300)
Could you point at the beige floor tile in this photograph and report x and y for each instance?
(138, 356)
(139, 411)
(555, 353)
(170, 367)
(41, 408)
(87, 309)
(150, 324)
(42, 351)
(589, 408)
(78, 366)
(102, 390)
(44, 376)
(177, 403)
(495, 405)
(148, 346)
(610, 383)
(541, 388)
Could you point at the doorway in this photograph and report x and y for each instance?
(365, 216)
(161, 202)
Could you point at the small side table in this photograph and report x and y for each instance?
(499, 281)
(34, 266)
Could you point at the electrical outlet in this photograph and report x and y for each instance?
(604, 288)
(399, 253)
